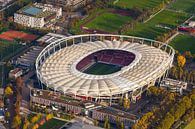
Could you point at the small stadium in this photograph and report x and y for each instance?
(103, 66)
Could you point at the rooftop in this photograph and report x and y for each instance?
(32, 11)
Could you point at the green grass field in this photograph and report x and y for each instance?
(150, 30)
(52, 124)
(184, 5)
(102, 69)
(108, 22)
(191, 125)
(128, 4)
(184, 43)
(8, 47)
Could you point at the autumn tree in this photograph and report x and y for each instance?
(166, 122)
(26, 124)
(16, 121)
(7, 114)
(96, 122)
(106, 123)
(126, 103)
(181, 60)
(49, 116)
(8, 91)
(122, 126)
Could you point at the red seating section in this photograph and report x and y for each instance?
(116, 57)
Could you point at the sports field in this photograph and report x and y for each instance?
(184, 43)
(191, 125)
(8, 48)
(102, 69)
(184, 5)
(52, 124)
(151, 29)
(108, 22)
(11, 35)
(128, 4)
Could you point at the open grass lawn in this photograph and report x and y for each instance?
(102, 69)
(191, 125)
(108, 22)
(184, 5)
(128, 4)
(52, 124)
(166, 18)
(184, 43)
(8, 47)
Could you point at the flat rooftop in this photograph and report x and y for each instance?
(32, 11)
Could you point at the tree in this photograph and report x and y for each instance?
(26, 124)
(8, 91)
(49, 116)
(181, 60)
(106, 123)
(117, 122)
(16, 121)
(126, 103)
(122, 125)
(167, 122)
(7, 114)
(36, 118)
(96, 122)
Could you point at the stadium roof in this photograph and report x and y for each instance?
(59, 70)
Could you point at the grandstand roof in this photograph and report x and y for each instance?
(59, 70)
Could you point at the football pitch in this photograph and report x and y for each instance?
(102, 69)
(184, 6)
(153, 28)
(128, 4)
(184, 43)
(108, 22)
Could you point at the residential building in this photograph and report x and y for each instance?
(37, 15)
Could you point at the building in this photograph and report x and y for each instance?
(191, 24)
(114, 115)
(49, 38)
(3, 3)
(80, 125)
(56, 100)
(68, 4)
(28, 58)
(15, 73)
(37, 15)
(174, 85)
(61, 65)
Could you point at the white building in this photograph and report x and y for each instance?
(37, 15)
(72, 4)
(17, 72)
(192, 24)
(174, 85)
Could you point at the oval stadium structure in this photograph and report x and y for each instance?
(103, 66)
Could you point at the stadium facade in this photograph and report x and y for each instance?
(62, 65)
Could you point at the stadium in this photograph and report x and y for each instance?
(103, 66)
